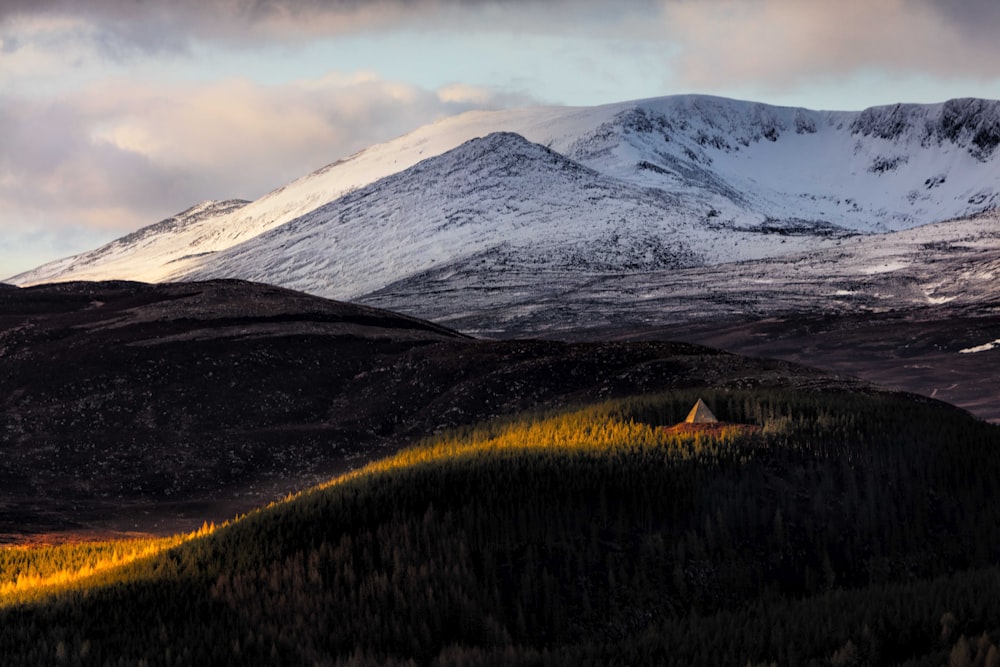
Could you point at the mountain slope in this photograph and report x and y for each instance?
(915, 310)
(954, 263)
(880, 169)
(163, 244)
(736, 165)
(143, 407)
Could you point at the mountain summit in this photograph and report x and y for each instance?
(499, 198)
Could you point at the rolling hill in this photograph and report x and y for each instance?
(150, 408)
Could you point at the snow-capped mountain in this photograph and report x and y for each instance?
(661, 184)
(954, 263)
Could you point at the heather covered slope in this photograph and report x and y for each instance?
(945, 352)
(128, 406)
(127, 403)
(849, 529)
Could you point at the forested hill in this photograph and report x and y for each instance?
(816, 527)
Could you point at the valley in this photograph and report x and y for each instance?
(924, 351)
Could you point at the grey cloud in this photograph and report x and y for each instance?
(966, 12)
(976, 19)
(214, 16)
(53, 164)
(238, 9)
(121, 26)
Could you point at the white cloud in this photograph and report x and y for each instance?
(480, 97)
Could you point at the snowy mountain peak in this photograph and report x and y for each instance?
(504, 142)
(497, 155)
(494, 200)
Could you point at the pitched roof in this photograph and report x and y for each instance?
(700, 414)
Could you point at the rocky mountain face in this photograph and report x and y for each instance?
(954, 263)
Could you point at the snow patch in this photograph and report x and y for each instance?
(886, 267)
(986, 347)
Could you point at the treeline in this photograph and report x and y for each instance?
(846, 529)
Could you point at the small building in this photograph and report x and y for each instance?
(700, 414)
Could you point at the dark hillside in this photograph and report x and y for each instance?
(126, 406)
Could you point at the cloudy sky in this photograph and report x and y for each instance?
(117, 113)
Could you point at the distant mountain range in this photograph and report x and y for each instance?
(479, 219)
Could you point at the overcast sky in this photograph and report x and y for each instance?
(117, 113)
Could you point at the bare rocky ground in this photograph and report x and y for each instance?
(127, 407)
(909, 352)
(896, 309)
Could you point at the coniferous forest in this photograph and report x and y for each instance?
(815, 527)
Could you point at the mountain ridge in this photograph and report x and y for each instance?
(737, 165)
